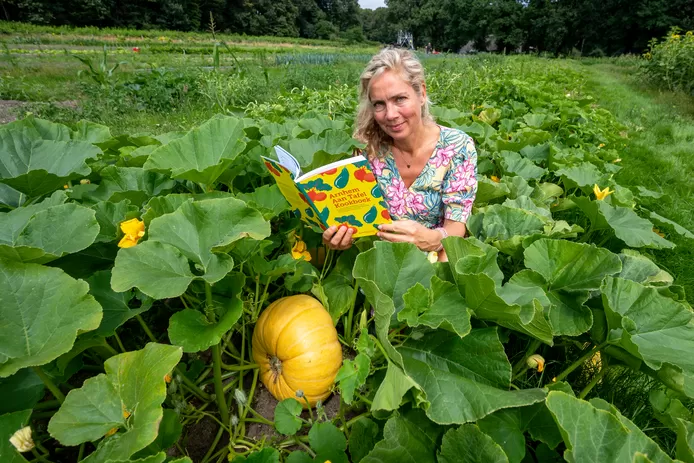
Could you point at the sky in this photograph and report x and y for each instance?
(371, 4)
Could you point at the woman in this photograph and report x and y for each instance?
(427, 172)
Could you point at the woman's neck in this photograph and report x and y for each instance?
(414, 141)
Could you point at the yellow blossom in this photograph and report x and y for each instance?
(536, 361)
(111, 432)
(617, 160)
(85, 181)
(601, 194)
(134, 229)
(676, 36)
(689, 34)
(494, 179)
(22, 440)
(126, 414)
(299, 251)
(658, 232)
(433, 257)
(167, 378)
(66, 186)
(601, 145)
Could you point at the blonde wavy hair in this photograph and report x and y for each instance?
(366, 129)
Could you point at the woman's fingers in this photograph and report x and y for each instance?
(338, 238)
(395, 237)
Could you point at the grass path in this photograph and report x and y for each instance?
(658, 156)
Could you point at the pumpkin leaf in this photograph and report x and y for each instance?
(132, 183)
(514, 163)
(319, 150)
(204, 230)
(159, 270)
(581, 175)
(36, 166)
(363, 435)
(267, 199)
(665, 336)
(474, 368)
(203, 154)
(46, 231)
(392, 389)
(505, 428)
(109, 216)
(633, 230)
(298, 456)
(663, 221)
(685, 440)
(328, 442)
(385, 288)
(43, 310)
(267, 455)
(352, 375)
(408, 437)
(440, 306)
(9, 424)
(193, 331)
(116, 310)
(21, 391)
(468, 443)
(170, 430)
(596, 431)
(128, 396)
(287, 419)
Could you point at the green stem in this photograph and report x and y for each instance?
(214, 443)
(579, 362)
(144, 326)
(596, 379)
(119, 342)
(351, 422)
(190, 384)
(60, 397)
(80, 453)
(349, 337)
(248, 366)
(532, 347)
(216, 362)
(47, 404)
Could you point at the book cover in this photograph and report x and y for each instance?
(341, 193)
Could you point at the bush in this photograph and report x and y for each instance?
(670, 63)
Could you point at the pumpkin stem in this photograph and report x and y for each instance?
(276, 367)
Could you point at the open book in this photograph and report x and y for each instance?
(341, 193)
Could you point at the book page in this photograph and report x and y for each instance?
(331, 166)
(288, 161)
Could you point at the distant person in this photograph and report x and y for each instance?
(427, 172)
(427, 48)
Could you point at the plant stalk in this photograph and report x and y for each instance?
(144, 326)
(579, 362)
(48, 382)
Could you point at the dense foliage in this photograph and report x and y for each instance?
(134, 268)
(670, 63)
(594, 27)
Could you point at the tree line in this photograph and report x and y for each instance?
(591, 27)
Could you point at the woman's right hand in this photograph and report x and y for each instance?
(338, 239)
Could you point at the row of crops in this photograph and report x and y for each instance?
(134, 269)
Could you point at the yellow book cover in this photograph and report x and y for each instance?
(341, 193)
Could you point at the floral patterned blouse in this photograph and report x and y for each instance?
(445, 189)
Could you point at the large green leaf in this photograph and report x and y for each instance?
(328, 442)
(352, 375)
(9, 424)
(132, 183)
(116, 310)
(663, 221)
(36, 166)
(392, 389)
(570, 271)
(584, 174)
(42, 310)
(474, 369)
(287, 419)
(648, 325)
(635, 231)
(193, 331)
(363, 435)
(46, 231)
(469, 444)
(128, 397)
(385, 273)
(318, 150)
(203, 154)
(502, 222)
(685, 440)
(268, 199)
(516, 164)
(109, 215)
(595, 431)
(204, 230)
(439, 306)
(21, 391)
(409, 437)
(159, 270)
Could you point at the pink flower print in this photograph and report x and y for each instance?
(395, 194)
(443, 156)
(463, 178)
(377, 165)
(415, 202)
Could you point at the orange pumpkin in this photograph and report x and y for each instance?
(296, 346)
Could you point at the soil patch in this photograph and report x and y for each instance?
(8, 110)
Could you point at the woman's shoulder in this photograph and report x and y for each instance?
(452, 136)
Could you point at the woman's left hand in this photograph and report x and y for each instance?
(409, 231)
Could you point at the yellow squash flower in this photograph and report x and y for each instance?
(134, 229)
(494, 179)
(22, 440)
(536, 361)
(299, 251)
(601, 194)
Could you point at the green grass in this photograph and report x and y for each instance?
(659, 154)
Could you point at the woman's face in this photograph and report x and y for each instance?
(397, 107)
